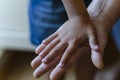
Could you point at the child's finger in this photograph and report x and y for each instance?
(66, 56)
(36, 62)
(39, 48)
(55, 52)
(45, 42)
(49, 39)
(49, 47)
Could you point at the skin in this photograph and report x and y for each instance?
(102, 22)
(43, 68)
(101, 13)
(82, 30)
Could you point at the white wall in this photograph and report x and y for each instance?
(14, 29)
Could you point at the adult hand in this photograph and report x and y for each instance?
(57, 72)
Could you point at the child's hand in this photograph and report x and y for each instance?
(66, 39)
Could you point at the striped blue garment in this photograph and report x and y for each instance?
(116, 33)
(45, 17)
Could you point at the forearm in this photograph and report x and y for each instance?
(75, 8)
(107, 11)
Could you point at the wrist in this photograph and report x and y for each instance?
(97, 13)
(75, 8)
(81, 18)
(105, 11)
(101, 19)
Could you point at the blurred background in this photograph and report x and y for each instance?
(14, 27)
(16, 51)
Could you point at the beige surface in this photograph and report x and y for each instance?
(15, 65)
(26, 74)
(1, 51)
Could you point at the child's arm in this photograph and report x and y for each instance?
(75, 8)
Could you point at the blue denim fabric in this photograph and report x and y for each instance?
(116, 33)
(45, 17)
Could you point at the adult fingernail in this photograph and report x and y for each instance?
(61, 65)
(44, 60)
(96, 47)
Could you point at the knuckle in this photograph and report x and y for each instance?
(56, 49)
(74, 41)
(69, 52)
(48, 57)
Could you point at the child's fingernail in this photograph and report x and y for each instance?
(37, 51)
(44, 60)
(41, 55)
(44, 42)
(61, 65)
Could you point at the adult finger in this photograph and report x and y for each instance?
(43, 68)
(58, 71)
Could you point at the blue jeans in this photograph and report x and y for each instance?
(116, 33)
